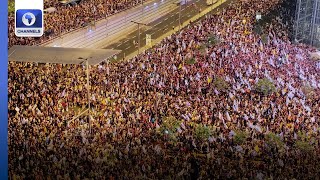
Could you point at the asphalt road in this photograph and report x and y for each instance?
(161, 26)
(158, 27)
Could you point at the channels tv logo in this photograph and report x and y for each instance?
(29, 23)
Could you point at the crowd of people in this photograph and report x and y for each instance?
(69, 17)
(130, 101)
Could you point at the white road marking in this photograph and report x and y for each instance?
(119, 44)
(157, 24)
(128, 47)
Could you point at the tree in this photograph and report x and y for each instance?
(202, 131)
(265, 86)
(169, 125)
(274, 141)
(303, 143)
(257, 29)
(202, 48)
(191, 61)
(240, 137)
(304, 146)
(308, 91)
(213, 40)
(220, 84)
(11, 7)
(264, 39)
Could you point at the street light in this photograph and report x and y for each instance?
(139, 23)
(179, 13)
(60, 34)
(88, 86)
(88, 89)
(107, 27)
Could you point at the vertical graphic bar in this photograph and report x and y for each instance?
(4, 91)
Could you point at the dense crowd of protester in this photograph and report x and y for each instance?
(69, 17)
(131, 99)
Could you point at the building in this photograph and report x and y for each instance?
(307, 22)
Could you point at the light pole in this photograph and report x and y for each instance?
(107, 27)
(60, 34)
(139, 23)
(179, 16)
(179, 13)
(88, 86)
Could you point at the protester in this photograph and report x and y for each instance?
(130, 101)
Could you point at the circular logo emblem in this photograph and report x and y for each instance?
(28, 19)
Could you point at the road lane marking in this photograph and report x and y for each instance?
(157, 24)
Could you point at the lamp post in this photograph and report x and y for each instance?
(138, 23)
(107, 27)
(179, 13)
(88, 88)
(60, 34)
(179, 16)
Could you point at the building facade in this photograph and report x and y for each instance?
(307, 22)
